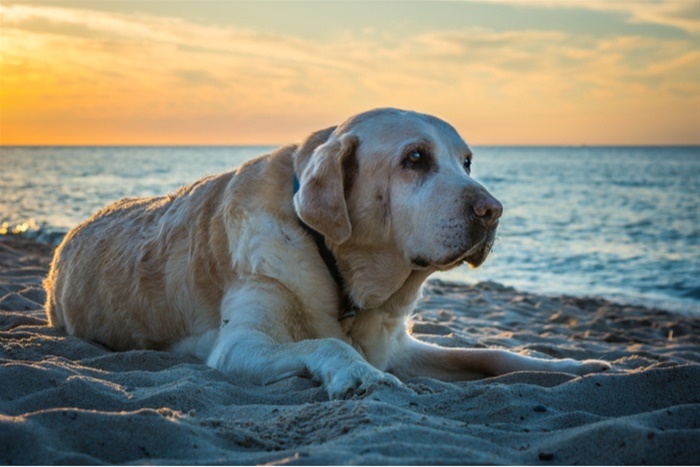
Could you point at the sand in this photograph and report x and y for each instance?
(67, 401)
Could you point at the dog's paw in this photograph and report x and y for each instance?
(359, 380)
(580, 367)
(592, 366)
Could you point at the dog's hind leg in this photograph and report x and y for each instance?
(415, 358)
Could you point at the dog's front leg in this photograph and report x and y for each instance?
(259, 342)
(416, 358)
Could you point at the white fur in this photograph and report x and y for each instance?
(223, 269)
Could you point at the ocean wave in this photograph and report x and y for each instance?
(693, 293)
(565, 230)
(32, 230)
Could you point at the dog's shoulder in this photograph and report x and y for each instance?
(263, 184)
(259, 217)
(266, 239)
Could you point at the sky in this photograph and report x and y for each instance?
(503, 72)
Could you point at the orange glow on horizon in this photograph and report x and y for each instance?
(95, 77)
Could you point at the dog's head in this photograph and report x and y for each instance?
(395, 178)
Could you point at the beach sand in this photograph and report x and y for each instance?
(68, 401)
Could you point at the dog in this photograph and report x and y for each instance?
(307, 261)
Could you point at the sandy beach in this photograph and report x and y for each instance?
(67, 401)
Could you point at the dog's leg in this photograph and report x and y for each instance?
(415, 358)
(257, 343)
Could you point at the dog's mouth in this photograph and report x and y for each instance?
(477, 255)
(480, 250)
(474, 256)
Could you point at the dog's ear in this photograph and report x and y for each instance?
(323, 184)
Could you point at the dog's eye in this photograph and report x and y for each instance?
(468, 165)
(417, 159)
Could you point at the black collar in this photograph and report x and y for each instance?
(347, 306)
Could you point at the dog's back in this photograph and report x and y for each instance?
(123, 259)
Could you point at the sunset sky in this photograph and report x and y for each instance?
(235, 72)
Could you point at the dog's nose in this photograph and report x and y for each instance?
(488, 209)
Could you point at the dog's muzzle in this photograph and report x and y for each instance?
(486, 211)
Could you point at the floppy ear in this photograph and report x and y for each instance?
(320, 201)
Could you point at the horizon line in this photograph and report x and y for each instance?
(273, 145)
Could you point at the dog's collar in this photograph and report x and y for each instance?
(347, 306)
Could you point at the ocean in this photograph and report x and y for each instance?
(621, 223)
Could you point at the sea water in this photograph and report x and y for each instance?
(621, 223)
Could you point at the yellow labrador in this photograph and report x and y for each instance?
(306, 261)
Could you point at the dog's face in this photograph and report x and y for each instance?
(400, 179)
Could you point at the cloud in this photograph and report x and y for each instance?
(680, 14)
(197, 78)
(153, 30)
(132, 72)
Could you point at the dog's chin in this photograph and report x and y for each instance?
(474, 257)
(477, 258)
